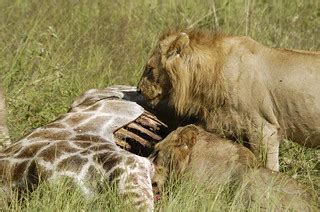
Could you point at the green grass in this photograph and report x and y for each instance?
(51, 51)
(64, 196)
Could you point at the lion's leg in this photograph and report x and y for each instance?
(273, 153)
(265, 144)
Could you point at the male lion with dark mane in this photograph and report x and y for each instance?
(212, 161)
(238, 87)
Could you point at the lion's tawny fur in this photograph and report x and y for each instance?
(214, 161)
(238, 87)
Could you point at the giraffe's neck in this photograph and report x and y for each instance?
(80, 145)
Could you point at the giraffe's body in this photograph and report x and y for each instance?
(81, 145)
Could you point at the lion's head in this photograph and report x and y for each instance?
(172, 154)
(185, 69)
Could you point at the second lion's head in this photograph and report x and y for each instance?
(185, 70)
(172, 154)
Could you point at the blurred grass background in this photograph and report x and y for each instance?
(51, 51)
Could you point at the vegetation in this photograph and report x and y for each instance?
(53, 50)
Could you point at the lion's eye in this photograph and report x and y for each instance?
(148, 70)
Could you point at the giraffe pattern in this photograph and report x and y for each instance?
(81, 145)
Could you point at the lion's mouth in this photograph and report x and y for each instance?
(154, 101)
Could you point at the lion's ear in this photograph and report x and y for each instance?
(189, 135)
(182, 42)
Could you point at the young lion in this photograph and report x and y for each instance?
(204, 156)
(238, 85)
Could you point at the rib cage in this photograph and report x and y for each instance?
(141, 135)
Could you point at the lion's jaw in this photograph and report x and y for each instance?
(154, 86)
(151, 91)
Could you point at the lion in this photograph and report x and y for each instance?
(205, 157)
(239, 88)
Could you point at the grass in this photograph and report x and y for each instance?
(63, 196)
(51, 51)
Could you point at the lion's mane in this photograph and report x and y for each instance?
(199, 81)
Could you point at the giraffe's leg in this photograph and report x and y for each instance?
(135, 185)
